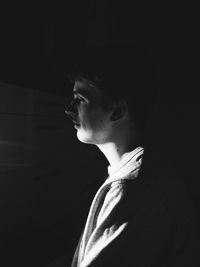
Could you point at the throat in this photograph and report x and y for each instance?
(115, 153)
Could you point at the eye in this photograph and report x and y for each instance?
(79, 99)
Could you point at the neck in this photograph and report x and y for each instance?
(118, 148)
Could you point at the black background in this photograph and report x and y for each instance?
(38, 45)
(37, 48)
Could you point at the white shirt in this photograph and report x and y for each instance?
(96, 235)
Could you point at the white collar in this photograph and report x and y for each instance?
(127, 165)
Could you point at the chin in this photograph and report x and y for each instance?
(84, 137)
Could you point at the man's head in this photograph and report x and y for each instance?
(120, 84)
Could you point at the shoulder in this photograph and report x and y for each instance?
(159, 192)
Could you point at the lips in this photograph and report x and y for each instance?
(74, 119)
(76, 123)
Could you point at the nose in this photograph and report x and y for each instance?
(71, 109)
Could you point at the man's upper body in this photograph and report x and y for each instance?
(137, 222)
(136, 218)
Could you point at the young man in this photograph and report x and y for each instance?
(136, 218)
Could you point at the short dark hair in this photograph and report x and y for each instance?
(120, 72)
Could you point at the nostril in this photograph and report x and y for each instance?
(71, 108)
(68, 112)
(71, 112)
(68, 109)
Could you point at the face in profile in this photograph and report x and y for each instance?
(90, 119)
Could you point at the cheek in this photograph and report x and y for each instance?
(93, 118)
(99, 120)
(89, 121)
(85, 116)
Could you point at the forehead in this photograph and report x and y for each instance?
(86, 89)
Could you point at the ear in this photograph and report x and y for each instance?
(119, 110)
